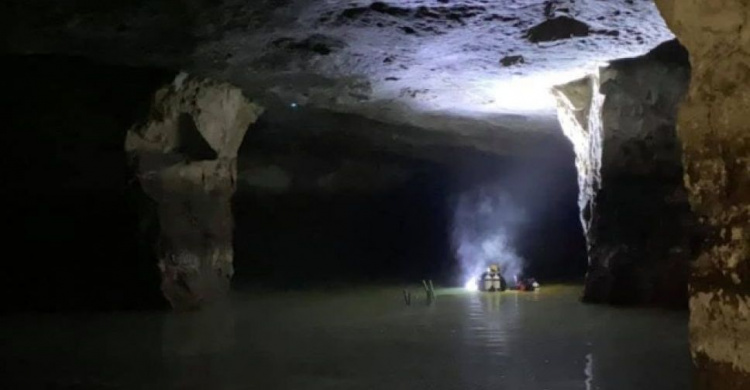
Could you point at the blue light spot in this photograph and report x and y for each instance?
(294, 105)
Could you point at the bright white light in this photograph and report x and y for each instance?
(493, 94)
(471, 285)
(530, 92)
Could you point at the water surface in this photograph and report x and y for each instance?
(355, 339)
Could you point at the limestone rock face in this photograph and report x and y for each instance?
(634, 209)
(714, 127)
(185, 155)
(431, 64)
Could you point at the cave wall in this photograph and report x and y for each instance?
(714, 127)
(634, 209)
(71, 208)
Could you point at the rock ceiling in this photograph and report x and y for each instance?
(459, 66)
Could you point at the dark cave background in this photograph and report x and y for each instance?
(73, 228)
(77, 238)
(400, 233)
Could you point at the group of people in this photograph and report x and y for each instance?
(492, 280)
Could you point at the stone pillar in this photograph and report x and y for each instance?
(185, 156)
(714, 127)
(634, 209)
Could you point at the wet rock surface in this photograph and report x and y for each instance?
(185, 157)
(713, 127)
(640, 230)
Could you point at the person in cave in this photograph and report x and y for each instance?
(492, 280)
(526, 284)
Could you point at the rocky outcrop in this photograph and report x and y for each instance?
(634, 209)
(557, 28)
(714, 127)
(185, 156)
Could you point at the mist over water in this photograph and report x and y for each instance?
(486, 223)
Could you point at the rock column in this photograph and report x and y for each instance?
(714, 127)
(185, 157)
(634, 208)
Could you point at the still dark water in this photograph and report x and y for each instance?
(355, 339)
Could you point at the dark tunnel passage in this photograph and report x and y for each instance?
(399, 226)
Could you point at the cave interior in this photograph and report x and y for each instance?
(214, 171)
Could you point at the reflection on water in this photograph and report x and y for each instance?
(357, 340)
(589, 372)
(193, 345)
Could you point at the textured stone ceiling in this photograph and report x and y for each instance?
(460, 66)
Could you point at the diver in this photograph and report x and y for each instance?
(526, 284)
(492, 280)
